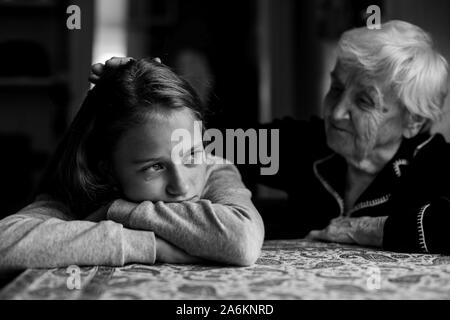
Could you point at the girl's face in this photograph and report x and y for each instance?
(143, 165)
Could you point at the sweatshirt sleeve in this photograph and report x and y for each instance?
(43, 235)
(419, 219)
(224, 226)
(421, 229)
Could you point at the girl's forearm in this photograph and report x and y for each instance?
(222, 233)
(39, 237)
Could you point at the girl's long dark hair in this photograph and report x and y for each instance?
(122, 99)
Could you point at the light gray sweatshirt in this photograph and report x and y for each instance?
(223, 226)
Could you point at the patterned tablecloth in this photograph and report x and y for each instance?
(288, 269)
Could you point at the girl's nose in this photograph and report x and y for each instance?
(177, 185)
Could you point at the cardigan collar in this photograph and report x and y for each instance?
(331, 172)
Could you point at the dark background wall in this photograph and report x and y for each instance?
(40, 63)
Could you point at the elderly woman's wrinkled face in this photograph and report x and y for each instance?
(361, 121)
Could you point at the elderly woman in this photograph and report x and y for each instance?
(370, 173)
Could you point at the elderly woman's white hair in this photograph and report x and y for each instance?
(403, 57)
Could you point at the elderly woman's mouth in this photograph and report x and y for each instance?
(339, 128)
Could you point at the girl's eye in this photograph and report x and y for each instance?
(154, 168)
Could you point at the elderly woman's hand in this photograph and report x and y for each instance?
(365, 231)
(98, 68)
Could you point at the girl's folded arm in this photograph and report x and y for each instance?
(44, 235)
(223, 226)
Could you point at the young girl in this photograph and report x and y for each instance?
(113, 194)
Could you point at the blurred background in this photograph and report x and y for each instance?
(250, 60)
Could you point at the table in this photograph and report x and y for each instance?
(287, 269)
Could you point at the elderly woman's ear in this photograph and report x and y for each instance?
(412, 125)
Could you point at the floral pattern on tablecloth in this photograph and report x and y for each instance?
(287, 269)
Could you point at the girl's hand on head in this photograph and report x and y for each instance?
(98, 68)
(96, 72)
(168, 253)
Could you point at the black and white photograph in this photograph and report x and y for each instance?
(219, 158)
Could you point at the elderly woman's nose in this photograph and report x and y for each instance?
(341, 110)
(178, 185)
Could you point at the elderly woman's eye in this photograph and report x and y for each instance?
(364, 101)
(194, 158)
(336, 89)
